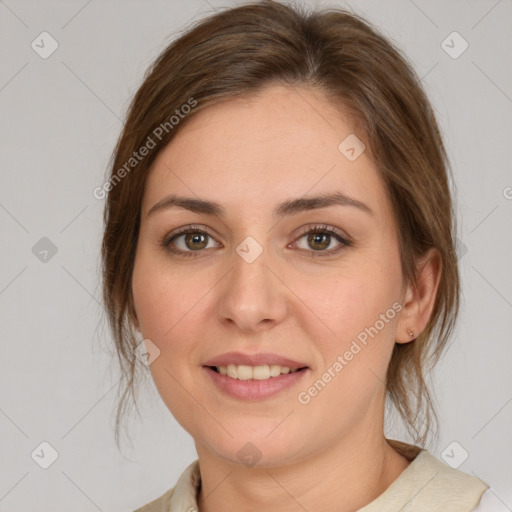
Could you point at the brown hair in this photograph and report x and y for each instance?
(238, 51)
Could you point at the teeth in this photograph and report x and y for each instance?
(262, 372)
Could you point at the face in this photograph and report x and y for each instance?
(319, 285)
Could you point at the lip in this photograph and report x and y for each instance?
(252, 389)
(253, 360)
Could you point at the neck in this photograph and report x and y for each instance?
(344, 477)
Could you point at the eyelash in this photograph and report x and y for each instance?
(166, 242)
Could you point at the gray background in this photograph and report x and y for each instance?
(60, 118)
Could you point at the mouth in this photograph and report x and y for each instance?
(254, 383)
(259, 372)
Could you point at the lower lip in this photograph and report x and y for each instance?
(253, 389)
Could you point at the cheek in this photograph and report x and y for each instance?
(172, 308)
(361, 308)
(168, 308)
(356, 295)
(349, 382)
(165, 297)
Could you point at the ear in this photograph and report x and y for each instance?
(419, 301)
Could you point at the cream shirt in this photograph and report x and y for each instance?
(426, 485)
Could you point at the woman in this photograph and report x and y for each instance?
(279, 231)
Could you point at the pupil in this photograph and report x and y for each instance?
(196, 238)
(317, 237)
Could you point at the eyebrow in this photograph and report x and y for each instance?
(289, 207)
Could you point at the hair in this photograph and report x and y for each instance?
(239, 51)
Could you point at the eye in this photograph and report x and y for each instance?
(319, 238)
(188, 241)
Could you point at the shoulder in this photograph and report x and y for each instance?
(435, 484)
(429, 484)
(424, 467)
(444, 476)
(490, 503)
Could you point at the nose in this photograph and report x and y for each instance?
(253, 296)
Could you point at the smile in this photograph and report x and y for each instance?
(260, 372)
(254, 382)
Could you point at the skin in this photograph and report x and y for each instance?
(250, 154)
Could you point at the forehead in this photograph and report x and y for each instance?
(257, 150)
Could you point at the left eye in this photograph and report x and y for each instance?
(320, 239)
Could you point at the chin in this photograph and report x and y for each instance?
(255, 449)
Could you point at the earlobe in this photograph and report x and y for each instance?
(420, 298)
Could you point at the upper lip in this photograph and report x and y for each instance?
(267, 358)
